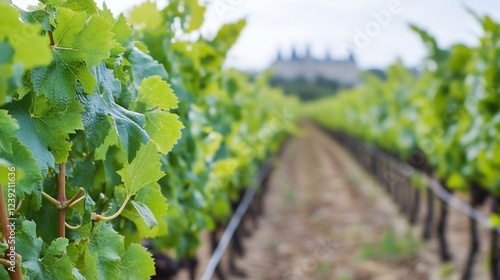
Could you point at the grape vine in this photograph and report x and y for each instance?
(449, 113)
(122, 129)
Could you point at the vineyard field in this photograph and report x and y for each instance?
(119, 132)
(442, 122)
(217, 139)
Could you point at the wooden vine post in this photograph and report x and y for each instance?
(441, 228)
(495, 243)
(7, 231)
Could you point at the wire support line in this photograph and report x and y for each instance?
(407, 170)
(233, 225)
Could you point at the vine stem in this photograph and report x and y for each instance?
(6, 231)
(5, 263)
(61, 187)
(51, 38)
(51, 199)
(51, 35)
(61, 204)
(74, 200)
(98, 217)
(72, 227)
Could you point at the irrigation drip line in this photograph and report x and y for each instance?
(233, 225)
(433, 185)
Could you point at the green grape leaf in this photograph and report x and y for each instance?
(152, 198)
(30, 49)
(47, 126)
(46, 216)
(79, 38)
(197, 13)
(145, 213)
(56, 3)
(28, 245)
(81, 42)
(108, 245)
(102, 150)
(21, 48)
(133, 174)
(435, 52)
(101, 106)
(155, 93)
(227, 36)
(208, 147)
(122, 32)
(6, 54)
(137, 263)
(28, 172)
(113, 261)
(201, 56)
(57, 81)
(8, 130)
(97, 124)
(42, 262)
(164, 128)
(3, 273)
(40, 17)
(88, 6)
(83, 260)
(146, 15)
(144, 66)
(54, 127)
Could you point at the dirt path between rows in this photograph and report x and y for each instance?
(321, 212)
(326, 218)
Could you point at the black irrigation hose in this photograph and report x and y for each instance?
(233, 224)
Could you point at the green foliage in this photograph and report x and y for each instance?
(307, 90)
(133, 175)
(52, 127)
(74, 55)
(22, 48)
(126, 115)
(222, 112)
(155, 98)
(449, 112)
(42, 261)
(8, 128)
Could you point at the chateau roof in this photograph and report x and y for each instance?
(344, 71)
(295, 56)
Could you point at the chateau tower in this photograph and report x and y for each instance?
(295, 56)
(308, 52)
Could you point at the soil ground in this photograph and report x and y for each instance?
(326, 218)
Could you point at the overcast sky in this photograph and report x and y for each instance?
(377, 30)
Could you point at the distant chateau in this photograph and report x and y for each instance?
(344, 72)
